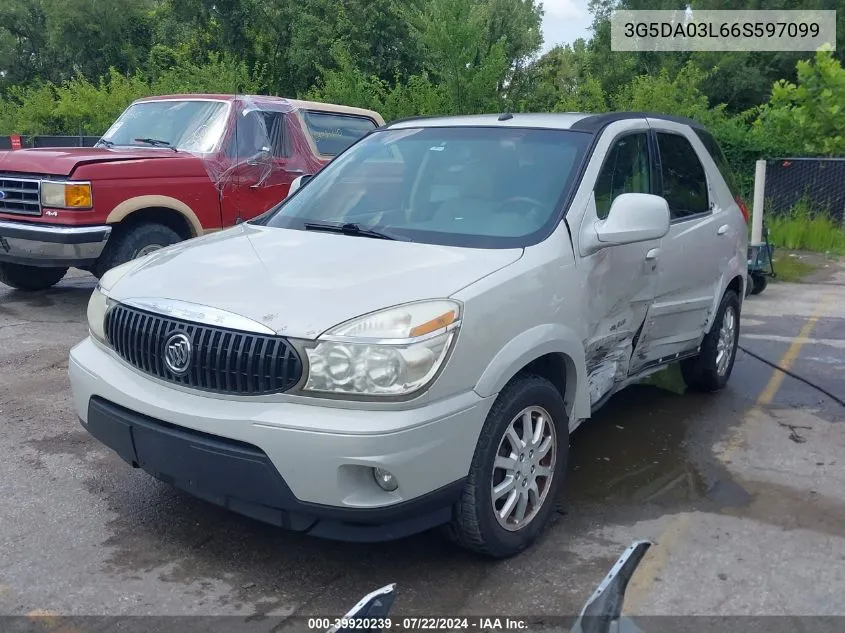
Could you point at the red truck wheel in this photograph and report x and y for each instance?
(132, 241)
(30, 278)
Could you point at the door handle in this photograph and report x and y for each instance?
(723, 229)
(652, 254)
(295, 171)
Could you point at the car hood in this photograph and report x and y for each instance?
(301, 283)
(63, 162)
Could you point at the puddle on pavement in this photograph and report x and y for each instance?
(644, 448)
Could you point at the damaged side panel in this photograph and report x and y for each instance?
(621, 287)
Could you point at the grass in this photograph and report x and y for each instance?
(669, 379)
(791, 268)
(807, 229)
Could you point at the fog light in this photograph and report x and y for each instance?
(385, 479)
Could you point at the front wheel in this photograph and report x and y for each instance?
(30, 278)
(517, 470)
(710, 370)
(133, 241)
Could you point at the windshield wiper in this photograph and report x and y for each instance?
(155, 142)
(105, 142)
(350, 228)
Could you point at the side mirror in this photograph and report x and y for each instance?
(299, 182)
(634, 217)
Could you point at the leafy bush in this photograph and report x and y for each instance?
(809, 229)
(807, 117)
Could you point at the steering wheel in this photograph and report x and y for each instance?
(522, 201)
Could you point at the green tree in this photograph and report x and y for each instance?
(53, 40)
(807, 116)
(455, 38)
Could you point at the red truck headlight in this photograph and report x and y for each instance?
(66, 195)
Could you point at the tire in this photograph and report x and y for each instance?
(708, 371)
(474, 524)
(758, 284)
(132, 241)
(30, 278)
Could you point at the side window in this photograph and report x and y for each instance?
(625, 170)
(333, 133)
(275, 124)
(684, 180)
(720, 159)
(258, 130)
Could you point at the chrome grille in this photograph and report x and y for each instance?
(20, 195)
(221, 360)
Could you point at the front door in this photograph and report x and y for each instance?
(261, 165)
(689, 273)
(621, 280)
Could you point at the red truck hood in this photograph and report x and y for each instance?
(62, 162)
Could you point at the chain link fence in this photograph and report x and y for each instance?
(818, 181)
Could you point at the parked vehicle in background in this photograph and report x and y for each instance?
(170, 168)
(408, 340)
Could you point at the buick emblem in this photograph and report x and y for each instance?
(2, 195)
(177, 353)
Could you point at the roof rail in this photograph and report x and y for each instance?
(597, 122)
(420, 117)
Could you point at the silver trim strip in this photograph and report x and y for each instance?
(58, 230)
(198, 313)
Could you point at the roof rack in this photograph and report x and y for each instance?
(596, 122)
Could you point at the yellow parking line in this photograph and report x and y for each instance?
(791, 355)
(657, 557)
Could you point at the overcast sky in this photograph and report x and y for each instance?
(564, 22)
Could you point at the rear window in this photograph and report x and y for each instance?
(333, 133)
(719, 158)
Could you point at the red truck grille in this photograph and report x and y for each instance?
(20, 195)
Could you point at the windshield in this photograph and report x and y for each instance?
(489, 187)
(191, 126)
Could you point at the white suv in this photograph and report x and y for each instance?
(408, 340)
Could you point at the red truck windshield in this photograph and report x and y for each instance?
(191, 125)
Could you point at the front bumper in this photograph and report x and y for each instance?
(299, 466)
(46, 245)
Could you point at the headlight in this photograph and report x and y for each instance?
(66, 195)
(97, 306)
(392, 352)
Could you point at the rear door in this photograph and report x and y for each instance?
(691, 254)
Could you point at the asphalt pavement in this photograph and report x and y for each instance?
(743, 493)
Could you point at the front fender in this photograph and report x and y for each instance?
(550, 338)
(127, 207)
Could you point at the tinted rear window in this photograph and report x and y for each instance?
(333, 133)
(684, 179)
(719, 158)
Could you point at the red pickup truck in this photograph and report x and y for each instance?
(170, 168)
